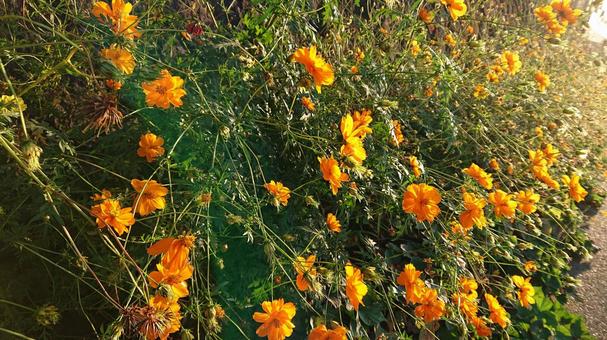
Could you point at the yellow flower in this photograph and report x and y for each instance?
(150, 198)
(482, 177)
(415, 49)
(331, 173)
(511, 62)
(354, 150)
(359, 55)
(473, 213)
(457, 8)
(542, 79)
(526, 201)
(503, 205)
(396, 133)
(305, 271)
(165, 91)
(422, 200)
(544, 14)
(498, 313)
(550, 154)
(279, 191)
(414, 163)
(356, 289)
(110, 213)
(431, 308)
(333, 223)
(276, 319)
(576, 191)
(356, 125)
(321, 71)
(539, 132)
(557, 28)
(480, 92)
(450, 40)
(308, 103)
(322, 333)
(122, 59)
(150, 147)
(526, 290)
(119, 17)
(493, 164)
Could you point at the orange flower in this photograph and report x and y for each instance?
(511, 62)
(425, 15)
(481, 327)
(356, 289)
(542, 80)
(150, 147)
(354, 69)
(466, 304)
(105, 194)
(414, 163)
(333, 223)
(482, 177)
(172, 276)
(530, 266)
(503, 205)
(498, 313)
(565, 13)
(396, 133)
(165, 91)
(457, 8)
(150, 198)
(109, 213)
(576, 191)
(321, 71)
(122, 59)
(322, 333)
(113, 84)
(493, 164)
(473, 213)
(431, 308)
(280, 192)
(119, 17)
(550, 154)
(526, 201)
(175, 250)
(331, 173)
(276, 319)
(305, 271)
(414, 286)
(450, 40)
(526, 290)
(356, 125)
(162, 318)
(307, 103)
(422, 200)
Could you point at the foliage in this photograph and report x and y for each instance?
(242, 124)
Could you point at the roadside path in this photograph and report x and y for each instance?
(590, 299)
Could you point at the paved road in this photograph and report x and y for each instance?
(590, 299)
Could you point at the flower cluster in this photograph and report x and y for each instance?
(557, 15)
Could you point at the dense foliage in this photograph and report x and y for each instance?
(391, 170)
